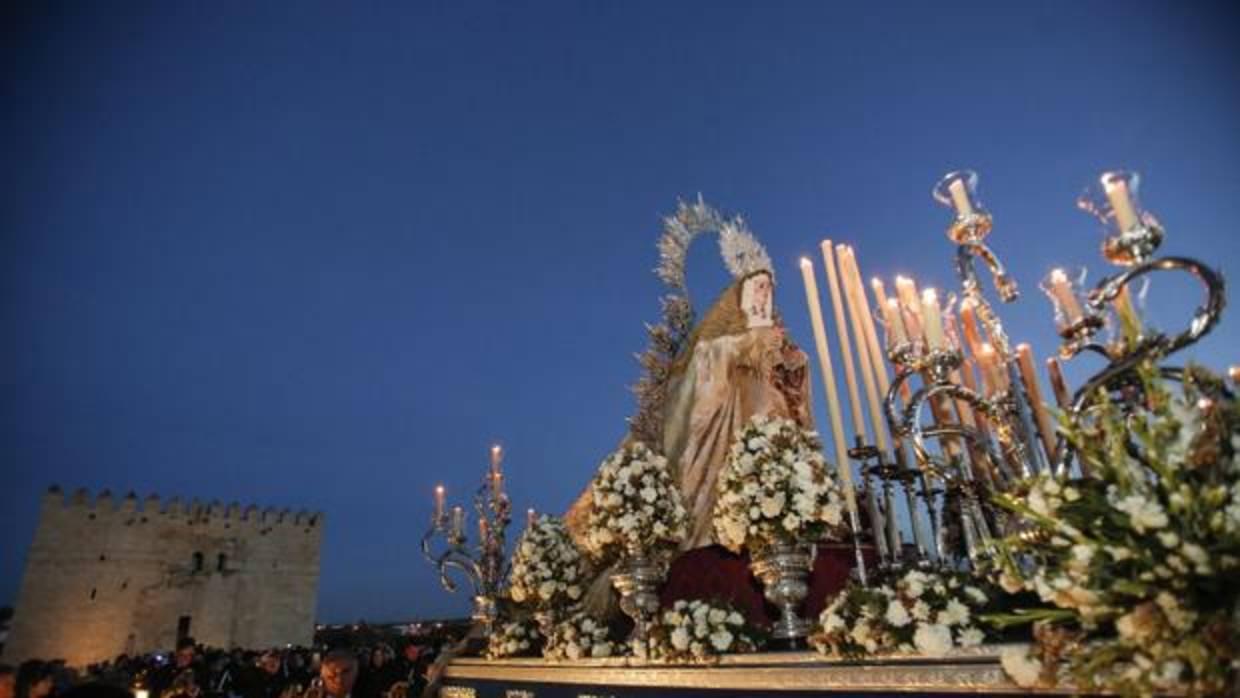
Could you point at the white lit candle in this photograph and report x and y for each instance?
(1121, 204)
(497, 483)
(439, 503)
(482, 529)
(933, 320)
(529, 518)
(906, 291)
(497, 457)
(1061, 289)
(891, 314)
(960, 198)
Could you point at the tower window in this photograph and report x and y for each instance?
(197, 562)
(221, 561)
(92, 593)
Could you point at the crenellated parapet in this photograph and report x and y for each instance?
(194, 512)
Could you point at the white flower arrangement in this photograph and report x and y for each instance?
(580, 636)
(637, 506)
(775, 488)
(514, 639)
(697, 631)
(927, 613)
(1134, 564)
(547, 569)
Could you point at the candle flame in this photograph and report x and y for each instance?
(438, 489)
(986, 349)
(1058, 276)
(929, 296)
(805, 263)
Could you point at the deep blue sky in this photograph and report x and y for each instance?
(321, 254)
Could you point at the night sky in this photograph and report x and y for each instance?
(322, 255)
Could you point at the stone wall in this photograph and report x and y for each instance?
(105, 577)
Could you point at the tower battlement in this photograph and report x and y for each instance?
(105, 503)
(109, 574)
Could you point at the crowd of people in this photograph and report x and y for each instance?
(193, 671)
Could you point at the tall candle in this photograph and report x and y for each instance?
(1121, 204)
(863, 327)
(1061, 289)
(986, 365)
(933, 320)
(1046, 430)
(482, 529)
(850, 375)
(458, 522)
(968, 325)
(1234, 373)
(497, 483)
(870, 365)
(439, 503)
(960, 198)
(828, 380)
(530, 516)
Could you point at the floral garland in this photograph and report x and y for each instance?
(637, 507)
(547, 569)
(514, 639)
(775, 488)
(697, 631)
(1138, 563)
(580, 636)
(923, 612)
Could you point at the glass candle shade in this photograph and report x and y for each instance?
(1132, 233)
(958, 191)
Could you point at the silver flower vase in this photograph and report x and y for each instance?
(484, 613)
(638, 579)
(784, 570)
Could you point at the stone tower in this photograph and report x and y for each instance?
(104, 578)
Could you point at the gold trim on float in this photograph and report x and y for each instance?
(975, 670)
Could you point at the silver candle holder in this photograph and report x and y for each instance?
(483, 564)
(1131, 237)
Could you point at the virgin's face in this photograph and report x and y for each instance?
(757, 302)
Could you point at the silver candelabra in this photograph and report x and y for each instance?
(447, 546)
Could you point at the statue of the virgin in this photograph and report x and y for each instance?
(704, 382)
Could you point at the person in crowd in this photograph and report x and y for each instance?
(267, 679)
(35, 679)
(185, 676)
(339, 673)
(8, 681)
(379, 674)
